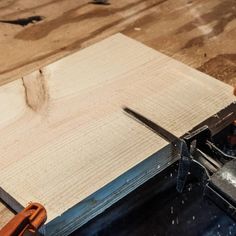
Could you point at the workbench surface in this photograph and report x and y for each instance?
(199, 33)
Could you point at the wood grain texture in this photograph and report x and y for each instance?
(199, 33)
(207, 28)
(5, 215)
(64, 134)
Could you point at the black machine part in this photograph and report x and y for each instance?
(221, 188)
(200, 156)
(215, 168)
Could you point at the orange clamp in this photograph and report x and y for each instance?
(31, 219)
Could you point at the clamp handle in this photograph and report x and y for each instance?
(31, 219)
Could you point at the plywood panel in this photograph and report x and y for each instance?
(64, 135)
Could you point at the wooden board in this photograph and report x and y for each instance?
(207, 28)
(199, 33)
(66, 142)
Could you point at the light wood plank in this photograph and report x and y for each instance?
(64, 135)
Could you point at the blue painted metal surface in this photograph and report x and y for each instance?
(110, 194)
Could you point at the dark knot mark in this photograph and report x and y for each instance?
(24, 21)
(100, 2)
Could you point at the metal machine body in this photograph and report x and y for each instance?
(204, 203)
(201, 156)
